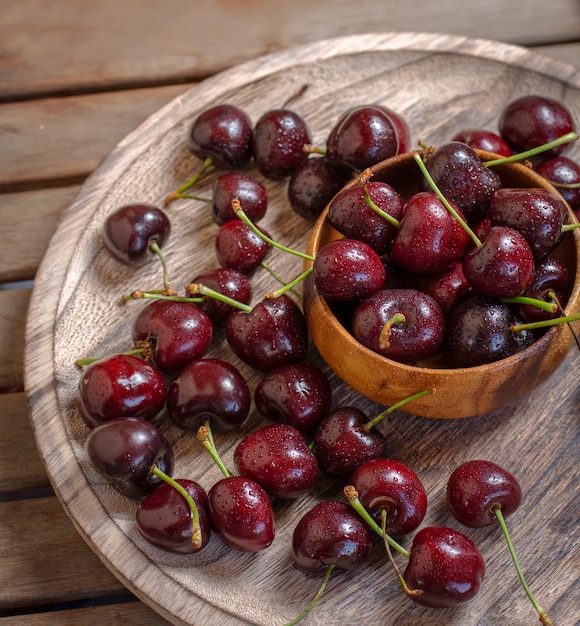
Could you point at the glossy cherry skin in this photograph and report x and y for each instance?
(479, 331)
(241, 514)
(298, 394)
(535, 213)
(180, 331)
(503, 267)
(125, 450)
(164, 518)
(401, 128)
(534, 120)
(272, 334)
(390, 486)
(331, 533)
(228, 282)
(445, 565)
(448, 288)
(342, 442)
(350, 214)
(417, 336)
(209, 389)
(476, 488)
(362, 136)
(223, 133)
(278, 458)
(248, 190)
(347, 270)
(482, 139)
(120, 386)
(561, 170)
(237, 246)
(430, 239)
(129, 231)
(279, 137)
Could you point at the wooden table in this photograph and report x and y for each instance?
(75, 78)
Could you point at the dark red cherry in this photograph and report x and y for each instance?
(241, 514)
(223, 133)
(272, 334)
(362, 136)
(129, 231)
(237, 186)
(125, 450)
(120, 386)
(448, 288)
(401, 128)
(209, 389)
(180, 331)
(476, 488)
(482, 139)
(331, 533)
(347, 269)
(164, 517)
(278, 458)
(298, 394)
(390, 488)
(445, 565)
(279, 138)
(562, 171)
(534, 120)
(228, 282)
(237, 246)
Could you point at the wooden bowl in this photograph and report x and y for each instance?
(459, 392)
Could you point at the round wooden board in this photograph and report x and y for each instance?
(439, 84)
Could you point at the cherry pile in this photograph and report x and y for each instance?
(410, 273)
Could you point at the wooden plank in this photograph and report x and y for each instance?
(74, 46)
(44, 559)
(13, 309)
(570, 52)
(20, 464)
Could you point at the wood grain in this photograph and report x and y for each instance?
(13, 312)
(75, 312)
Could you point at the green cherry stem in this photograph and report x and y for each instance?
(352, 496)
(196, 539)
(199, 289)
(178, 193)
(157, 295)
(154, 247)
(550, 307)
(363, 180)
(289, 286)
(564, 185)
(205, 437)
(317, 597)
(276, 277)
(568, 227)
(396, 406)
(544, 617)
(89, 360)
(526, 154)
(546, 323)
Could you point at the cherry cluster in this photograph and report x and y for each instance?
(399, 259)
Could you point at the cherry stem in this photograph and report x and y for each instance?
(199, 289)
(544, 617)
(205, 437)
(568, 227)
(276, 277)
(385, 334)
(520, 156)
(550, 307)
(317, 597)
(396, 406)
(564, 185)
(291, 284)
(352, 496)
(154, 247)
(310, 149)
(178, 193)
(236, 206)
(89, 360)
(516, 328)
(157, 295)
(187, 196)
(363, 180)
(196, 538)
(446, 203)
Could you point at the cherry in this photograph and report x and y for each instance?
(362, 136)
(564, 174)
(298, 394)
(401, 324)
(248, 190)
(448, 288)
(279, 137)
(348, 269)
(481, 139)
(271, 334)
(239, 247)
(230, 283)
(278, 458)
(445, 568)
(313, 184)
(125, 450)
(480, 331)
(392, 493)
(164, 518)
(224, 134)
(534, 120)
(120, 385)
(179, 331)
(130, 230)
(430, 239)
(537, 214)
(401, 128)
(209, 389)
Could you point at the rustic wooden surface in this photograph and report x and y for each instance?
(68, 96)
